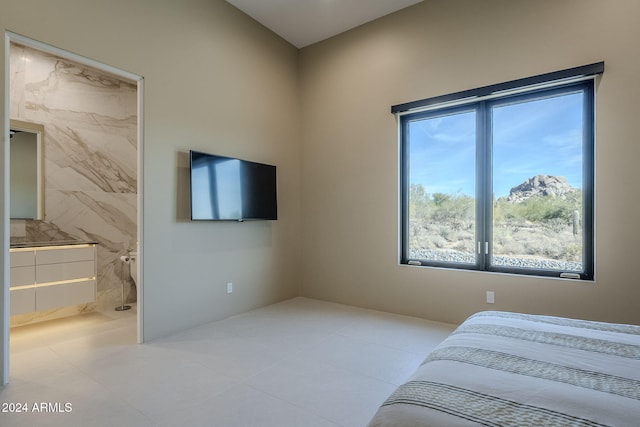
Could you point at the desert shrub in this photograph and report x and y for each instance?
(539, 208)
(556, 225)
(539, 227)
(418, 201)
(572, 252)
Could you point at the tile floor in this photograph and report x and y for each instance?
(301, 362)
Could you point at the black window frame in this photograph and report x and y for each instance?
(482, 100)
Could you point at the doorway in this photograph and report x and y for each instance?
(84, 169)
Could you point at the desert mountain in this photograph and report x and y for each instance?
(541, 185)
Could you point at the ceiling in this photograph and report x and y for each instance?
(304, 22)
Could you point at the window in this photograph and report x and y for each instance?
(501, 178)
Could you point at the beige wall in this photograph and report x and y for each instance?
(350, 153)
(213, 81)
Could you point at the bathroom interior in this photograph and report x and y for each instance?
(73, 190)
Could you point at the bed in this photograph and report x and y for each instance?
(511, 369)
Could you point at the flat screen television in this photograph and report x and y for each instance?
(229, 189)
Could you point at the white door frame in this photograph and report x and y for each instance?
(139, 80)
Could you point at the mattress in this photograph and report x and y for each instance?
(511, 369)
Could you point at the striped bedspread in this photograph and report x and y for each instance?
(510, 369)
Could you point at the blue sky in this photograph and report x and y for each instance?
(531, 138)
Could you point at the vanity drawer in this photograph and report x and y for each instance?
(21, 276)
(65, 271)
(22, 301)
(57, 256)
(22, 258)
(49, 297)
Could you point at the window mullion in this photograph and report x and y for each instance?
(483, 188)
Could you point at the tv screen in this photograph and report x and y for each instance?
(229, 189)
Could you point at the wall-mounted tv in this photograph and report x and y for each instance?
(229, 189)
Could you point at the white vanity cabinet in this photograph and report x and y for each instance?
(23, 277)
(47, 277)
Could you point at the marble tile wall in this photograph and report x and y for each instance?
(90, 163)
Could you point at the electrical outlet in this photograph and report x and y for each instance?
(229, 288)
(491, 297)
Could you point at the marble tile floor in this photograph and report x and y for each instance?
(301, 362)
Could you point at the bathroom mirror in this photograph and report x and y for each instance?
(26, 179)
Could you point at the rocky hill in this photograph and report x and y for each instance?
(541, 185)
